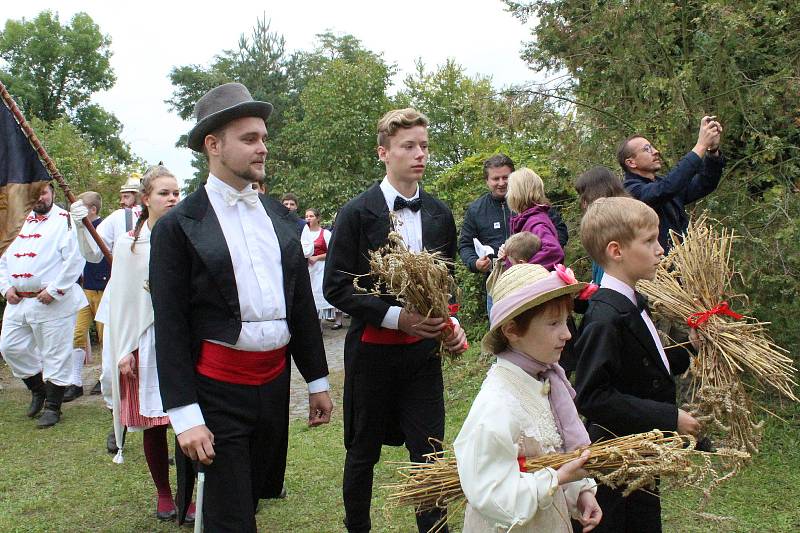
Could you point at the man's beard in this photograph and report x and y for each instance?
(42, 208)
(248, 174)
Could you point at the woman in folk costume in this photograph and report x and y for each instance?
(315, 241)
(525, 409)
(136, 395)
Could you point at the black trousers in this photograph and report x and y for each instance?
(640, 512)
(250, 427)
(396, 390)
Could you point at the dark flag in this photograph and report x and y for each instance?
(22, 176)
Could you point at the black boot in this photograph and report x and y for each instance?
(72, 392)
(52, 406)
(36, 386)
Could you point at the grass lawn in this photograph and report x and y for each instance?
(61, 479)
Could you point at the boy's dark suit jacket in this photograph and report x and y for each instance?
(363, 225)
(621, 381)
(194, 295)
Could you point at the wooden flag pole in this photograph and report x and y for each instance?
(51, 166)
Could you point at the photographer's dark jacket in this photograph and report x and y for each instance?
(691, 179)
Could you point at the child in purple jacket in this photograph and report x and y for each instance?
(526, 197)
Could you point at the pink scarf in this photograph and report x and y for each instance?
(561, 397)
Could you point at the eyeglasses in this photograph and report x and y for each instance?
(649, 148)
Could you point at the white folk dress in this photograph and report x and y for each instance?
(511, 418)
(131, 328)
(317, 271)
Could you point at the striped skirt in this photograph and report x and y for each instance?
(129, 403)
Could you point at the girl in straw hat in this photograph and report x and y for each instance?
(525, 409)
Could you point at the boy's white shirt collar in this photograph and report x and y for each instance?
(610, 282)
(390, 193)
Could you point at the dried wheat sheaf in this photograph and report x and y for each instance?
(421, 281)
(632, 462)
(694, 284)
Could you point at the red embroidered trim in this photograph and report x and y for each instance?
(30, 236)
(36, 219)
(26, 254)
(23, 275)
(64, 214)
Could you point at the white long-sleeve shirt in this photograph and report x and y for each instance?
(44, 256)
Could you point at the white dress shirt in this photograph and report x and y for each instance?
(409, 226)
(610, 282)
(256, 257)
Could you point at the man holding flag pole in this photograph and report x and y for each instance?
(39, 268)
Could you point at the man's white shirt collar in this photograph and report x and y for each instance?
(390, 193)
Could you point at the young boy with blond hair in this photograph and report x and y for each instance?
(518, 249)
(624, 375)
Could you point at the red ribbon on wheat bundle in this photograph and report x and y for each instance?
(695, 320)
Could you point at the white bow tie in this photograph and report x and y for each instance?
(249, 196)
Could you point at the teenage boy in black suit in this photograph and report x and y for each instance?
(393, 391)
(624, 375)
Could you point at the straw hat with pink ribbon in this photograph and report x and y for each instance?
(523, 287)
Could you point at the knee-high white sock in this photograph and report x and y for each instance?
(78, 355)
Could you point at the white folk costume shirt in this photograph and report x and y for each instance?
(44, 256)
(256, 257)
(610, 282)
(410, 228)
(511, 418)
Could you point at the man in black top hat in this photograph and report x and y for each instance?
(233, 301)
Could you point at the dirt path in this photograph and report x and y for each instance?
(298, 401)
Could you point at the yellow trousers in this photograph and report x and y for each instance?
(84, 320)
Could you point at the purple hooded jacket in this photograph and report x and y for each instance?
(538, 222)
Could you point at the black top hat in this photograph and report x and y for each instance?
(221, 105)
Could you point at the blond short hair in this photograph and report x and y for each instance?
(396, 119)
(614, 219)
(91, 198)
(523, 246)
(525, 189)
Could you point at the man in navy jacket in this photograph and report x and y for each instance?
(695, 176)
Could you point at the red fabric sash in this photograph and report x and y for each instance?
(239, 366)
(373, 335)
(319, 243)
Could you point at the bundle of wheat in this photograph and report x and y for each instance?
(633, 462)
(693, 286)
(420, 281)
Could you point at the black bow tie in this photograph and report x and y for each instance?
(400, 203)
(641, 303)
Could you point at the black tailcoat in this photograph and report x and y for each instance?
(363, 225)
(195, 298)
(621, 381)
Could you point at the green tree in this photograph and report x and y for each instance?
(329, 140)
(53, 70)
(259, 63)
(657, 68)
(83, 166)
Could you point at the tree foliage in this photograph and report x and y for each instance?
(53, 70)
(656, 68)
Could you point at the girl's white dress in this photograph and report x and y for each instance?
(317, 271)
(511, 418)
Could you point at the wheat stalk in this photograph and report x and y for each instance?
(420, 281)
(633, 462)
(696, 276)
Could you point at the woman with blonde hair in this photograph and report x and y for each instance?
(526, 197)
(136, 393)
